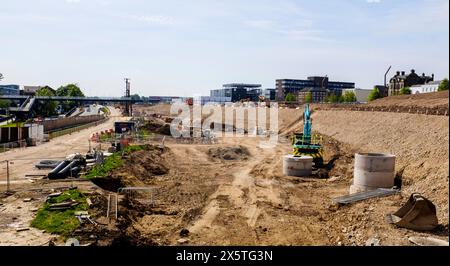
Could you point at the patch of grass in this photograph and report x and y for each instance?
(105, 110)
(61, 222)
(106, 136)
(14, 124)
(112, 162)
(134, 148)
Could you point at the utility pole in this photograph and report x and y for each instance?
(7, 176)
(385, 75)
(128, 107)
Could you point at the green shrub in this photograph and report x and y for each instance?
(290, 97)
(374, 94)
(405, 91)
(443, 86)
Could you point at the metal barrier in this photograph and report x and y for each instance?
(12, 145)
(71, 130)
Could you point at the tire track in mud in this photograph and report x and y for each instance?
(244, 193)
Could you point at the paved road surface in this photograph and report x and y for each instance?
(22, 160)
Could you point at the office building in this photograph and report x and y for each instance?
(238, 91)
(285, 86)
(431, 86)
(402, 80)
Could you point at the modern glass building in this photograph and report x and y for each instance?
(285, 86)
(238, 91)
(9, 90)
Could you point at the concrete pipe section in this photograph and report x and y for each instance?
(372, 171)
(297, 166)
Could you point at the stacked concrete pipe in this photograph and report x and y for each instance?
(372, 171)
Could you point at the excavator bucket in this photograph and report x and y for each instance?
(418, 214)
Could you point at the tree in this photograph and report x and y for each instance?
(1, 76)
(69, 90)
(4, 104)
(443, 86)
(349, 97)
(290, 97)
(46, 108)
(405, 91)
(374, 94)
(308, 97)
(332, 98)
(135, 97)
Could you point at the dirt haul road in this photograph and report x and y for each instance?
(23, 160)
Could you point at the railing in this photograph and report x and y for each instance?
(71, 130)
(63, 98)
(314, 140)
(11, 145)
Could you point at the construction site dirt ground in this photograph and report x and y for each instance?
(234, 193)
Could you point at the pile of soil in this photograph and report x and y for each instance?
(429, 100)
(146, 163)
(158, 127)
(138, 167)
(229, 153)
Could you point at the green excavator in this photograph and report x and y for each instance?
(307, 144)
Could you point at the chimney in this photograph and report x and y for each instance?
(413, 71)
(398, 73)
(423, 74)
(432, 77)
(403, 73)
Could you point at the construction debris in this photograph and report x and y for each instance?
(372, 242)
(69, 167)
(428, 241)
(47, 164)
(63, 205)
(89, 201)
(418, 214)
(381, 192)
(183, 241)
(56, 194)
(82, 216)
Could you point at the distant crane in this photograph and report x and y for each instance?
(128, 107)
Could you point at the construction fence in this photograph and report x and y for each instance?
(71, 130)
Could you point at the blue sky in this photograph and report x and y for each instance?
(188, 47)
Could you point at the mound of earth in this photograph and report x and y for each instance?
(429, 100)
(158, 127)
(146, 163)
(139, 167)
(229, 153)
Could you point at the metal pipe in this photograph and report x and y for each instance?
(117, 209)
(107, 208)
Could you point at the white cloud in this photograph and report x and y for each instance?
(305, 35)
(73, 1)
(154, 19)
(260, 24)
(302, 30)
(373, 1)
